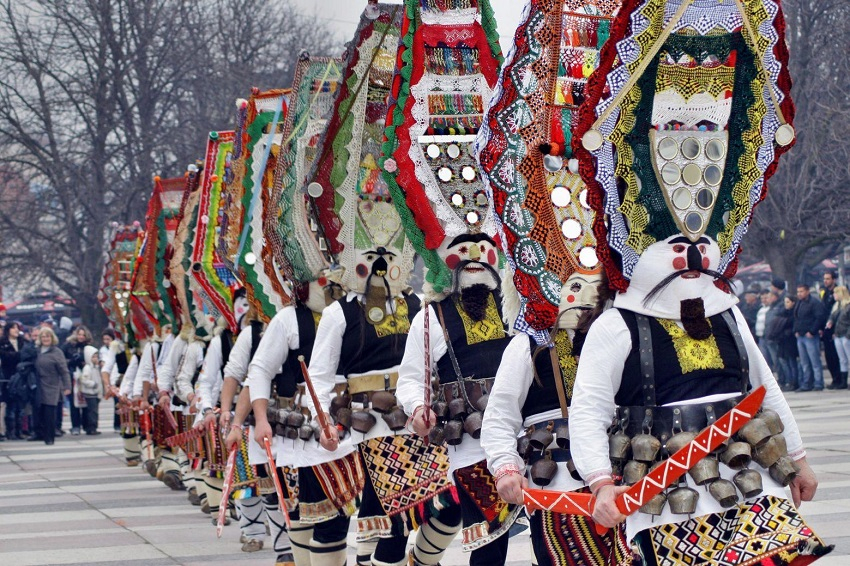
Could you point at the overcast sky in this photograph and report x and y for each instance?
(343, 15)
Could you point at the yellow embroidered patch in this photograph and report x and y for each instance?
(490, 327)
(567, 361)
(394, 323)
(317, 316)
(693, 354)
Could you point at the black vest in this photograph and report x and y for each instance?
(290, 376)
(476, 361)
(121, 361)
(543, 393)
(362, 349)
(672, 384)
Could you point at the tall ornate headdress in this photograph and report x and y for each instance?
(241, 240)
(217, 283)
(685, 121)
(525, 151)
(290, 226)
(114, 292)
(349, 195)
(450, 59)
(150, 286)
(184, 290)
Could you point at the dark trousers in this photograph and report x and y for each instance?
(116, 420)
(90, 413)
(76, 414)
(833, 363)
(48, 423)
(13, 419)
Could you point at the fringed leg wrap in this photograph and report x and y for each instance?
(132, 450)
(327, 553)
(365, 550)
(252, 517)
(432, 540)
(213, 487)
(300, 535)
(277, 526)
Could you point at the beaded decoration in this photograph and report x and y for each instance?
(524, 149)
(684, 123)
(114, 291)
(449, 59)
(290, 224)
(346, 188)
(217, 283)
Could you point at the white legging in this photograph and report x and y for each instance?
(842, 347)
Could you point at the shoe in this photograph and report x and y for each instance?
(285, 560)
(133, 463)
(93, 433)
(117, 430)
(75, 432)
(226, 522)
(194, 498)
(49, 442)
(60, 432)
(150, 467)
(33, 438)
(832, 386)
(252, 545)
(205, 508)
(173, 481)
(243, 539)
(818, 389)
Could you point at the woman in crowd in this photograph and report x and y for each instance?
(839, 322)
(781, 330)
(74, 354)
(10, 356)
(54, 381)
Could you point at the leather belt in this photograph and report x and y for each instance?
(474, 388)
(372, 382)
(664, 422)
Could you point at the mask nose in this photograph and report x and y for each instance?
(474, 253)
(694, 258)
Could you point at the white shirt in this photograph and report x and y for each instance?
(192, 362)
(280, 337)
(167, 343)
(410, 391)
(129, 381)
(600, 372)
(761, 318)
(324, 362)
(240, 357)
(209, 381)
(144, 374)
(167, 372)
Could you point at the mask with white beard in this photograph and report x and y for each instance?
(474, 261)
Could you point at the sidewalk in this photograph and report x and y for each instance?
(98, 511)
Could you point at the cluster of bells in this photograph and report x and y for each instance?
(290, 422)
(464, 414)
(759, 441)
(543, 471)
(362, 420)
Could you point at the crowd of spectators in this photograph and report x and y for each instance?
(793, 328)
(47, 370)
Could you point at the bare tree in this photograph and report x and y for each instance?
(97, 96)
(805, 216)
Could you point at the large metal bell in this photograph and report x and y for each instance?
(340, 402)
(441, 409)
(634, 472)
(756, 432)
(783, 471)
(437, 435)
(679, 441)
(383, 402)
(655, 506)
(541, 438)
(683, 500)
(542, 472)
(705, 471)
(571, 468)
(645, 447)
(362, 421)
(481, 402)
(343, 418)
(472, 424)
(618, 446)
(770, 452)
(724, 492)
(562, 436)
(748, 483)
(457, 408)
(523, 447)
(396, 419)
(294, 419)
(737, 455)
(772, 420)
(305, 432)
(454, 432)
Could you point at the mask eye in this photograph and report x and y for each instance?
(702, 249)
(463, 250)
(482, 248)
(370, 257)
(678, 248)
(575, 287)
